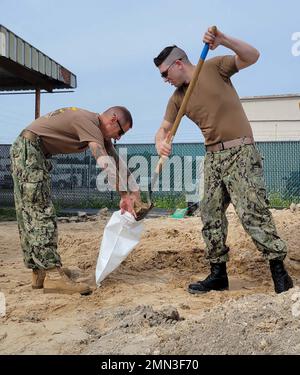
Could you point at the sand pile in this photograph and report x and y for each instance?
(143, 306)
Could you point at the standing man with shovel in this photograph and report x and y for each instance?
(233, 166)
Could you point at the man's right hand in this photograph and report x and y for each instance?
(163, 148)
(127, 204)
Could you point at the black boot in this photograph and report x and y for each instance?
(217, 280)
(282, 280)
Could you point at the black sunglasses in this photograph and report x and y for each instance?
(121, 131)
(165, 73)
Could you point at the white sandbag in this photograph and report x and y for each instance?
(121, 234)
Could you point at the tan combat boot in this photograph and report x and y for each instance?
(38, 277)
(57, 282)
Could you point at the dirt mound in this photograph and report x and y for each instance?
(146, 316)
(143, 306)
(178, 245)
(257, 324)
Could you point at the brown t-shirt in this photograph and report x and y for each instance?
(67, 130)
(214, 104)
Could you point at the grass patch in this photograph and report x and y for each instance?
(165, 202)
(7, 214)
(170, 202)
(277, 201)
(87, 203)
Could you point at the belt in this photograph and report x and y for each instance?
(229, 144)
(27, 134)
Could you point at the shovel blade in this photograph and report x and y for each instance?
(143, 212)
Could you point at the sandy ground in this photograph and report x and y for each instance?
(143, 306)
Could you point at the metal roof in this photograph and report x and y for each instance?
(24, 67)
(271, 97)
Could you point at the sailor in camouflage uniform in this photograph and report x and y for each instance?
(67, 130)
(232, 166)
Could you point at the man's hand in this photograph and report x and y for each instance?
(128, 201)
(214, 40)
(246, 55)
(163, 148)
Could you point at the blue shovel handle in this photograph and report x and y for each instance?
(206, 46)
(204, 51)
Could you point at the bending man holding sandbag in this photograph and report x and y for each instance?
(64, 131)
(233, 166)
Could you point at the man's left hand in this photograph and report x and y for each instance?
(128, 201)
(214, 40)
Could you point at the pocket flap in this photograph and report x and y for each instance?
(35, 175)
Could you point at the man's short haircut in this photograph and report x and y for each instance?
(123, 114)
(169, 55)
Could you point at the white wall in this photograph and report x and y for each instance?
(274, 118)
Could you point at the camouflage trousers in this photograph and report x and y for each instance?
(236, 175)
(35, 211)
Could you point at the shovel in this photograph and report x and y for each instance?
(142, 213)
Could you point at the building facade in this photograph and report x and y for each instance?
(274, 117)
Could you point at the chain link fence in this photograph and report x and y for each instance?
(75, 183)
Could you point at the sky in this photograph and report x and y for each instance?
(110, 46)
